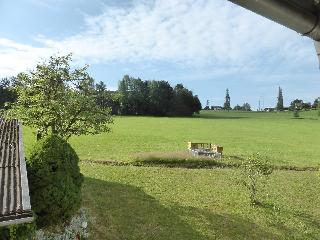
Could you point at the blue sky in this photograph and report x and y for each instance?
(206, 45)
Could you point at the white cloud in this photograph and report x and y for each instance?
(198, 33)
(190, 32)
(17, 57)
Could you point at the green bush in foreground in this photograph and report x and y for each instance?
(55, 181)
(254, 170)
(24, 231)
(76, 229)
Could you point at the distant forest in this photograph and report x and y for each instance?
(151, 97)
(154, 98)
(133, 97)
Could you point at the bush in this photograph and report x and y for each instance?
(77, 229)
(254, 169)
(55, 181)
(24, 231)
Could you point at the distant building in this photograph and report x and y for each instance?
(269, 109)
(216, 108)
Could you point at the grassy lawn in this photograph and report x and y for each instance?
(286, 141)
(162, 203)
(129, 202)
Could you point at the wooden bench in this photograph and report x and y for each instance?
(206, 149)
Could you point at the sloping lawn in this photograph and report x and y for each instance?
(161, 203)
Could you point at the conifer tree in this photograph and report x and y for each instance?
(226, 105)
(279, 106)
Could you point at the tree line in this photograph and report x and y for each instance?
(156, 98)
(133, 97)
(295, 105)
(7, 92)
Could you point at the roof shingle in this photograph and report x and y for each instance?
(14, 191)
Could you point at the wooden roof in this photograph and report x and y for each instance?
(14, 190)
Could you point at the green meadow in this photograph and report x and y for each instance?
(130, 201)
(173, 203)
(280, 137)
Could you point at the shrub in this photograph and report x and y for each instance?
(77, 229)
(55, 181)
(254, 169)
(296, 114)
(18, 232)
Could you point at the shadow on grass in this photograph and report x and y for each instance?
(126, 212)
(191, 163)
(300, 216)
(305, 118)
(226, 226)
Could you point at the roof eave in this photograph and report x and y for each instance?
(16, 221)
(24, 178)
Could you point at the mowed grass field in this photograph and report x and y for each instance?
(173, 203)
(284, 140)
(130, 202)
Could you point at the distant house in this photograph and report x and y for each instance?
(269, 109)
(216, 108)
(14, 190)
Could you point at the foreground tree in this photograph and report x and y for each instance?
(57, 100)
(279, 106)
